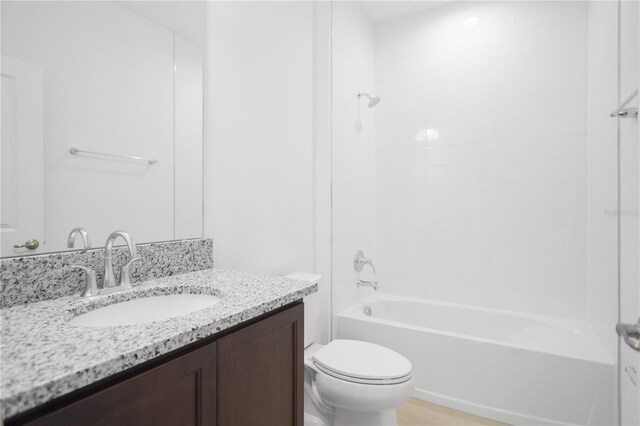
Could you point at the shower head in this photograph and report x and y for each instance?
(373, 101)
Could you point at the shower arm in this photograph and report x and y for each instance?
(373, 100)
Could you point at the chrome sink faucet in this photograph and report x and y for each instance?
(86, 240)
(125, 272)
(109, 282)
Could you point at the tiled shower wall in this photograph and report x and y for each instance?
(602, 173)
(353, 175)
(481, 155)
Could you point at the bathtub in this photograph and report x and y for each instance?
(510, 367)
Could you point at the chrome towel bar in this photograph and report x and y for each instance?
(75, 151)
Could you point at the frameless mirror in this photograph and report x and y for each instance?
(101, 122)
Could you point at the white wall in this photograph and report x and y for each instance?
(602, 172)
(258, 135)
(108, 87)
(261, 142)
(188, 116)
(481, 163)
(322, 96)
(267, 140)
(353, 187)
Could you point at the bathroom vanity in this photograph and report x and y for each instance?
(239, 362)
(249, 375)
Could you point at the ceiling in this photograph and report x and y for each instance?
(381, 11)
(185, 17)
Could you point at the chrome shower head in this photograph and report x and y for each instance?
(373, 101)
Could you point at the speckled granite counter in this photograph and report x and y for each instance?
(43, 357)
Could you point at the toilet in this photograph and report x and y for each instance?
(350, 382)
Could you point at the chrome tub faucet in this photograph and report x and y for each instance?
(363, 283)
(359, 262)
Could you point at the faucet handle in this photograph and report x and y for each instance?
(90, 282)
(360, 261)
(125, 272)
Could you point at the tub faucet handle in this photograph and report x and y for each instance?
(360, 261)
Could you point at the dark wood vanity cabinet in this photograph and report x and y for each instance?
(261, 373)
(250, 376)
(179, 392)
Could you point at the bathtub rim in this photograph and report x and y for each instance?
(356, 311)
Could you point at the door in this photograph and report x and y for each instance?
(21, 156)
(179, 392)
(629, 143)
(260, 372)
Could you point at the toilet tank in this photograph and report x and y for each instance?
(311, 307)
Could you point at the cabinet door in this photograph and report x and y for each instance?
(260, 372)
(179, 392)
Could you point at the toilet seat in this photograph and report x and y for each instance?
(362, 362)
(364, 381)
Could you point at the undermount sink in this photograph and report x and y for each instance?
(145, 309)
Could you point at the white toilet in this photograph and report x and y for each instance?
(349, 382)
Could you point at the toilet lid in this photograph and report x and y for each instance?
(363, 362)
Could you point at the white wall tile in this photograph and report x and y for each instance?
(507, 173)
(354, 150)
(602, 235)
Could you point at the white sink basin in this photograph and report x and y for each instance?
(145, 309)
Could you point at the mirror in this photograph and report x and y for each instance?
(101, 122)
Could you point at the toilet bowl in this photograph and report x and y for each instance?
(353, 383)
(350, 382)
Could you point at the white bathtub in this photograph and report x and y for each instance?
(511, 367)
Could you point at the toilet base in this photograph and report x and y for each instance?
(362, 418)
(311, 420)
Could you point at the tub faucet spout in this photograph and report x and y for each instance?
(363, 283)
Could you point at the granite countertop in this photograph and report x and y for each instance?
(43, 357)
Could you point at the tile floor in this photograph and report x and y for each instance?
(421, 413)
